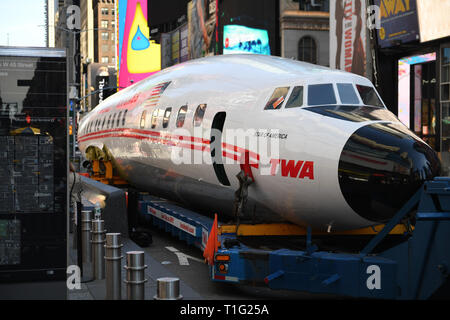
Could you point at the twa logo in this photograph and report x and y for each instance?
(291, 168)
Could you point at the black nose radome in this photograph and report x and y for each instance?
(381, 166)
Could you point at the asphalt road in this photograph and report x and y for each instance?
(196, 273)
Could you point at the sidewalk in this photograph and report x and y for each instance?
(96, 289)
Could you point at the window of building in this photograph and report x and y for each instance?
(277, 98)
(105, 59)
(104, 11)
(124, 117)
(199, 114)
(166, 117)
(113, 12)
(181, 116)
(142, 123)
(308, 5)
(369, 96)
(104, 24)
(113, 60)
(347, 93)
(307, 50)
(118, 119)
(296, 98)
(105, 35)
(320, 94)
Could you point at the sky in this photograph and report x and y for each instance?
(22, 23)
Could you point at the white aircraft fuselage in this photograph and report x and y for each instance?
(322, 148)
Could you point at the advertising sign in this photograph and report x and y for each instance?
(241, 39)
(433, 19)
(201, 27)
(139, 57)
(348, 35)
(398, 22)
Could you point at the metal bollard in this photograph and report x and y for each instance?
(168, 289)
(113, 272)
(135, 275)
(86, 222)
(98, 249)
(86, 248)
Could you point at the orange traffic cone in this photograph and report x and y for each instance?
(213, 243)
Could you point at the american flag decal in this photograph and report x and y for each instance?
(155, 94)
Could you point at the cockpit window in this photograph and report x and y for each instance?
(355, 113)
(296, 98)
(369, 96)
(321, 94)
(277, 98)
(347, 93)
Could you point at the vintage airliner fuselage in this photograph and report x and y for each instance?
(322, 148)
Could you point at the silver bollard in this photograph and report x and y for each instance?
(98, 249)
(113, 272)
(86, 222)
(168, 289)
(86, 248)
(135, 275)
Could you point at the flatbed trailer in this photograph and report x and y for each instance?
(415, 265)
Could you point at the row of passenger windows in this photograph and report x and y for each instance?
(323, 94)
(114, 120)
(159, 113)
(118, 119)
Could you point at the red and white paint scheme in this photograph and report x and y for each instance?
(338, 158)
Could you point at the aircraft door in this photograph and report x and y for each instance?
(216, 148)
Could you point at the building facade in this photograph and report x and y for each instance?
(105, 31)
(97, 48)
(413, 72)
(304, 28)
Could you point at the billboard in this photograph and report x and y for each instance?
(398, 22)
(433, 19)
(138, 57)
(348, 35)
(202, 24)
(241, 39)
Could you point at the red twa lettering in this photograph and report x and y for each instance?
(307, 171)
(290, 168)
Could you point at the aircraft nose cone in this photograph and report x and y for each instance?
(381, 166)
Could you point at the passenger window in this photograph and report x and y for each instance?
(369, 96)
(320, 94)
(296, 98)
(199, 114)
(142, 124)
(154, 118)
(113, 121)
(181, 116)
(166, 117)
(104, 121)
(347, 93)
(118, 119)
(124, 117)
(277, 98)
(109, 121)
